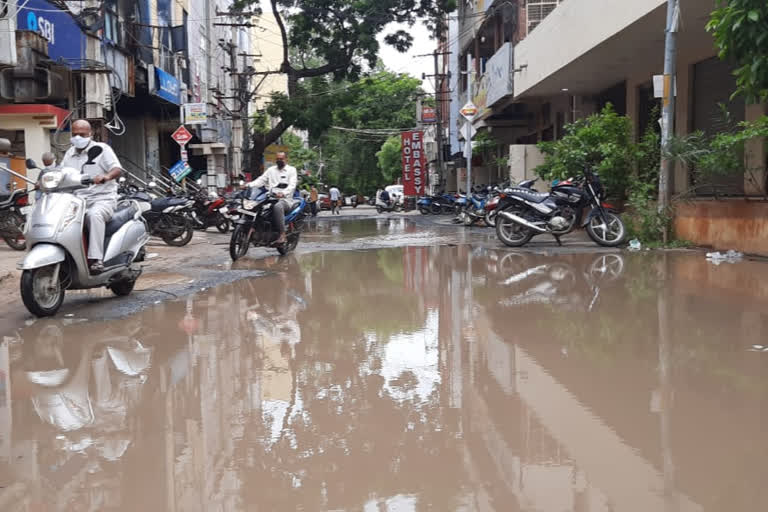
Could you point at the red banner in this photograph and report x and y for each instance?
(414, 164)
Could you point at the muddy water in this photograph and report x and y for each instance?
(402, 380)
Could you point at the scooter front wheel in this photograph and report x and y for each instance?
(41, 293)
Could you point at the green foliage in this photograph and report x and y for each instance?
(721, 154)
(483, 144)
(299, 155)
(390, 159)
(384, 101)
(331, 41)
(602, 142)
(740, 29)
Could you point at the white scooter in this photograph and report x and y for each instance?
(57, 258)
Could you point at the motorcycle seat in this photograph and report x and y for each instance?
(123, 213)
(158, 205)
(524, 193)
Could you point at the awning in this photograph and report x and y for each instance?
(48, 116)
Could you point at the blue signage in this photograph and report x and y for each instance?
(179, 171)
(167, 87)
(65, 38)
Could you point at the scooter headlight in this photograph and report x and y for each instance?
(51, 179)
(69, 216)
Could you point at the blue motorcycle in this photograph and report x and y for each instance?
(255, 226)
(436, 205)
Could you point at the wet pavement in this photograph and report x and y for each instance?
(403, 379)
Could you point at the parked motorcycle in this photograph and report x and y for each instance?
(524, 214)
(255, 227)
(209, 210)
(165, 216)
(58, 261)
(472, 207)
(13, 218)
(491, 209)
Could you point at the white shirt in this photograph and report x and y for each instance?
(335, 193)
(274, 177)
(102, 164)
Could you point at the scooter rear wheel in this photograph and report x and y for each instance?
(40, 294)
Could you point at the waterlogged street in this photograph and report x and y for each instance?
(410, 378)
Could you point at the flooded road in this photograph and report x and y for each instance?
(404, 379)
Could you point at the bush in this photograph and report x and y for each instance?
(602, 142)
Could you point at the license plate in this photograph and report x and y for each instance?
(25, 210)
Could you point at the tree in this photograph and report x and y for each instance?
(370, 111)
(390, 159)
(740, 29)
(341, 35)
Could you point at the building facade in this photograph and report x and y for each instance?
(128, 67)
(540, 64)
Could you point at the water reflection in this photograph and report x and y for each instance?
(400, 379)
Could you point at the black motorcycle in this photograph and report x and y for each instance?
(524, 214)
(12, 218)
(255, 227)
(166, 217)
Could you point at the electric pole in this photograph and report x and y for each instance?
(439, 100)
(668, 102)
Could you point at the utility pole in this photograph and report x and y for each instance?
(439, 111)
(668, 102)
(468, 135)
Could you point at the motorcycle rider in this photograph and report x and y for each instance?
(280, 173)
(101, 197)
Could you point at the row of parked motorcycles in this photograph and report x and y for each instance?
(520, 213)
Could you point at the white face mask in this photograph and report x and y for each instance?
(80, 142)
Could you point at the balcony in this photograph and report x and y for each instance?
(496, 83)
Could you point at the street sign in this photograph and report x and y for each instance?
(428, 115)
(195, 113)
(179, 171)
(469, 111)
(182, 135)
(468, 131)
(184, 155)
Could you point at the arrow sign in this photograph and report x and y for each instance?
(182, 135)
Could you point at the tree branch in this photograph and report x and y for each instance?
(283, 33)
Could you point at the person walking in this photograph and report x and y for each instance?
(313, 197)
(335, 194)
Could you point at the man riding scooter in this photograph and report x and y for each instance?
(101, 197)
(279, 174)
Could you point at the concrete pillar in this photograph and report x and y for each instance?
(152, 143)
(755, 156)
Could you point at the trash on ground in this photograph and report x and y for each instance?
(152, 255)
(635, 245)
(728, 257)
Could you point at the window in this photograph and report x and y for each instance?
(112, 29)
(537, 10)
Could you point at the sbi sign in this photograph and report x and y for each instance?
(55, 25)
(37, 23)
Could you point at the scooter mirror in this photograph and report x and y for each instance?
(31, 164)
(93, 153)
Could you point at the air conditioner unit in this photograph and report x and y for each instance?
(7, 41)
(537, 10)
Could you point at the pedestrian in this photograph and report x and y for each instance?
(279, 174)
(49, 162)
(313, 196)
(101, 197)
(335, 194)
